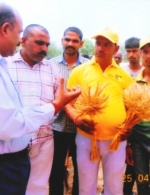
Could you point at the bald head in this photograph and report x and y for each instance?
(118, 57)
(6, 14)
(30, 29)
(10, 29)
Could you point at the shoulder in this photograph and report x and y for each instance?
(56, 59)
(123, 71)
(83, 66)
(82, 59)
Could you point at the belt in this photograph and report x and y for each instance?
(14, 156)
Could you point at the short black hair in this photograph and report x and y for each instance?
(30, 27)
(132, 42)
(6, 15)
(76, 30)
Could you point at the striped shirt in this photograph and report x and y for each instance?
(61, 121)
(37, 86)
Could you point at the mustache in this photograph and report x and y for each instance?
(18, 44)
(69, 47)
(42, 53)
(99, 52)
(132, 58)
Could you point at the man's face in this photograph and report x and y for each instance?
(145, 54)
(104, 49)
(118, 58)
(12, 37)
(71, 43)
(133, 55)
(35, 46)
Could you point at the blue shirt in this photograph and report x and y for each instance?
(17, 122)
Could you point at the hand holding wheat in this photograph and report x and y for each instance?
(137, 103)
(91, 103)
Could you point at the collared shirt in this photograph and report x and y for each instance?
(140, 76)
(141, 131)
(91, 75)
(61, 121)
(133, 74)
(37, 86)
(17, 122)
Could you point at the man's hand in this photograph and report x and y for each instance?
(129, 156)
(85, 124)
(63, 96)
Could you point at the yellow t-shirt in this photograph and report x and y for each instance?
(90, 74)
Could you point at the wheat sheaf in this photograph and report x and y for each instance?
(137, 103)
(91, 103)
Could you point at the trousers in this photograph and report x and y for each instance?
(113, 167)
(41, 157)
(14, 173)
(141, 155)
(63, 142)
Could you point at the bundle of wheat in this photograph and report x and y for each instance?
(137, 103)
(91, 103)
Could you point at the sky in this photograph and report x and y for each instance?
(127, 17)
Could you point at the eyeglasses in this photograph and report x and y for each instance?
(72, 40)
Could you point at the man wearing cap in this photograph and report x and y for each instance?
(101, 70)
(140, 136)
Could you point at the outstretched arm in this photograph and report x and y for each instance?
(15, 122)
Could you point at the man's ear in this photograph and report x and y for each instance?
(23, 40)
(4, 28)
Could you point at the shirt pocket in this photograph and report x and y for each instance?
(47, 93)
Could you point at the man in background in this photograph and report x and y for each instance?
(134, 67)
(118, 57)
(140, 137)
(64, 128)
(133, 54)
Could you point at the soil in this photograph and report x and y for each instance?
(99, 182)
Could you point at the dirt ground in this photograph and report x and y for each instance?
(99, 182)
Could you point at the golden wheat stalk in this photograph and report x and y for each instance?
(137, 103)
(91, 103)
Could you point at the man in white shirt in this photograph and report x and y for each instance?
(133, 54)
(18, 122)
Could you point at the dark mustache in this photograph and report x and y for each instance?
(132, 58)
(99, 52)
(42, 53)
(18, 44)
(69, 47)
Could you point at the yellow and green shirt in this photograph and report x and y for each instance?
(141, 131)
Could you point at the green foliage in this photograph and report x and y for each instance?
(87, 48)
(53, 51)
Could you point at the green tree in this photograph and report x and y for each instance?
(87, 48)
(53, 50)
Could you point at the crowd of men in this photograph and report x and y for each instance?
(40, 126)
